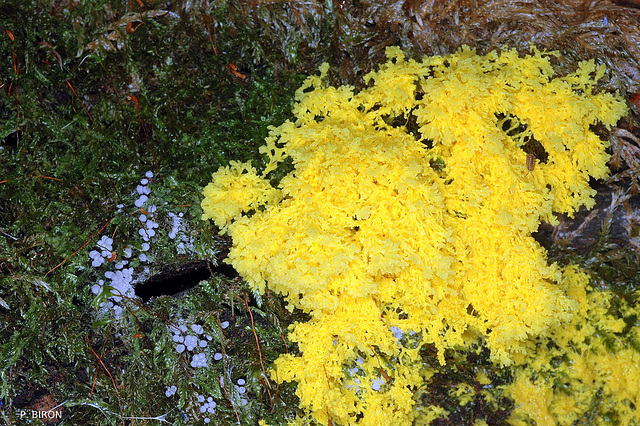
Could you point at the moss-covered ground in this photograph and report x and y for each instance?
(94, 94)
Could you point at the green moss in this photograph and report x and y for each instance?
(73, 145)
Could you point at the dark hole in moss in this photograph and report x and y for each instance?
(180, 278)
(11, 140)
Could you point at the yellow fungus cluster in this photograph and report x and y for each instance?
(410, 207)
(583, 367)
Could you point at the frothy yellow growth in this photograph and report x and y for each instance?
(411, 206)
(235, 189)
(589, 368)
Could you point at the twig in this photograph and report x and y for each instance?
(81, 247)
(109, 373)
(246, 301)
(47, 177)
(81, 101)
(230, 400)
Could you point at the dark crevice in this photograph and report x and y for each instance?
(409, 121)
(534, 147)
(515, 128)
(11, 140)
(176, 279)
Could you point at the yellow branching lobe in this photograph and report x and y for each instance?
(411, 206)
(594, 364)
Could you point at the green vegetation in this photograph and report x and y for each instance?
(87, 107)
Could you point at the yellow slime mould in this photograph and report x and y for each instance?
(409, 212)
